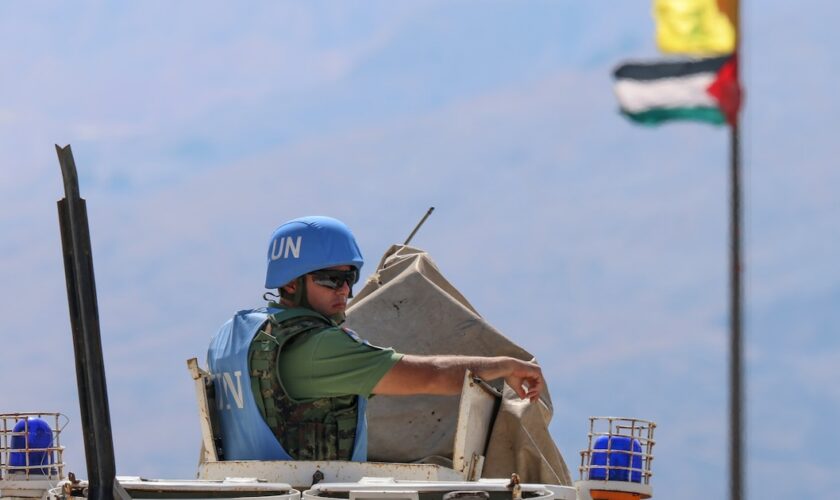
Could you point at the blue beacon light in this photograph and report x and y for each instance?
(35, 435)
(614, 460)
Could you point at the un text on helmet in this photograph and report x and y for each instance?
(282, 247)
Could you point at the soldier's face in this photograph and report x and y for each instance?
(327, 301)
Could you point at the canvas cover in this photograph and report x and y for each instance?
(409, 305)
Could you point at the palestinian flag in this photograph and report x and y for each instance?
(705, 90)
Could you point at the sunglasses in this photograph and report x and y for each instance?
(335, 279)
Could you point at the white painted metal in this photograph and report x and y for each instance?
(300, 473)
(390, 488)
(562, 492)
(202, 381)
(239, 488)
(367, 494)
(20, 490)
(137, 487)
(475, 416)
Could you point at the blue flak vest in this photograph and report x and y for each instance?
(245, 434)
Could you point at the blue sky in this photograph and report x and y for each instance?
(198, 127)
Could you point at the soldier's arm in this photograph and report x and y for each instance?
(445, 374)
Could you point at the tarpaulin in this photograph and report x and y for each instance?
(409, 305)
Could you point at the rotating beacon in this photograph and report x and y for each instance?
(31, 454)
(616, 465)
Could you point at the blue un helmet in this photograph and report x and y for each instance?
(308, 244)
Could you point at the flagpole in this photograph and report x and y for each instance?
(736, 291)
(736, 417)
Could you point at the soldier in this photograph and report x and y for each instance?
(309, 376)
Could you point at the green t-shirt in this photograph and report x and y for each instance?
(330, 363)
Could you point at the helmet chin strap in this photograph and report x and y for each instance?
(299, 298)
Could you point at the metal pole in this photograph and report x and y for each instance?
(417, 227)
(87, 344)
(736, 417)
(736, 291)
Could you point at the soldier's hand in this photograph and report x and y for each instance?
(526, 379)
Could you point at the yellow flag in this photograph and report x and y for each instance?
(702, 27)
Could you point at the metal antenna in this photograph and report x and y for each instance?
(417, 227)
